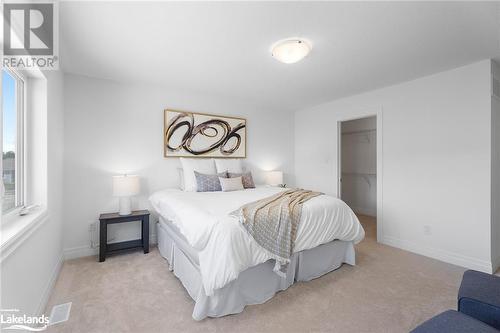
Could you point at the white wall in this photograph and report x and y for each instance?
(434, 165)
(29, 271)
(112, 128)
(359, 165)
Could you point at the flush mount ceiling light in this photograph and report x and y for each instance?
(291, 50)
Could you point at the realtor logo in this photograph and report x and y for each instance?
(30, 35)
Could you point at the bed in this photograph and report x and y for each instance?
(224, 269)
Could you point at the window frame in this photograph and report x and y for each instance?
(20, 149)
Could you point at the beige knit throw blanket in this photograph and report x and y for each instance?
(273, 223)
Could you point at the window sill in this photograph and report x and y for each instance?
(16, 229)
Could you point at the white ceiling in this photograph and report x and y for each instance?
(223, 48)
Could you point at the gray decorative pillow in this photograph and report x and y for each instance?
(246, 178)
(208, 183)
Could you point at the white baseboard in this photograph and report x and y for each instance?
(50, 286)
(80, 251)
(439, 254)
(87, 251)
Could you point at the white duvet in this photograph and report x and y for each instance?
(225, 248)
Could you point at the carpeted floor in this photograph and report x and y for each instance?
(389, 290)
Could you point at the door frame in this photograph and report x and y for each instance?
(354, 115)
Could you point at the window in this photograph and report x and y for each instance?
(12, 140)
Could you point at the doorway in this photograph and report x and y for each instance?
(358, 170)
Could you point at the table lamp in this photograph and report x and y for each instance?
(275, 178)
(124, 187)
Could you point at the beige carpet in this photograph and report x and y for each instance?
(389, 290)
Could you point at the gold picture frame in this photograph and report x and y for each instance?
(203, 135)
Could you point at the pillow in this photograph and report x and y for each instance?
(208, 183)
(231, 184)
(181, 178)
(246, 178)
(229, 165)
(190, 165)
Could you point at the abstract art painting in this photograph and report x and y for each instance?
(189, 134)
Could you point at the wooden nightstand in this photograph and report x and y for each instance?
(110, 218)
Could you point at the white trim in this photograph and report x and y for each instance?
(31, 223)
(440, 254)
(339, 159)
(380, 173)
(20, 140)
(87, 251)
(20, 148)
(79, 252)
(50, 285)
(359, 114)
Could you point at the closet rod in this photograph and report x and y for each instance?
(359, 132)
(359, 174)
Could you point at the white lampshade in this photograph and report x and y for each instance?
(291, 50)
(125, 185)
(274, 178)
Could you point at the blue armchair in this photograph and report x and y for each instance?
(479, 297)
(478, 307)
(453, 321)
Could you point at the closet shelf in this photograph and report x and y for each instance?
(359, 132)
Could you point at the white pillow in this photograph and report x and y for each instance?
(231, 184)
(228, 164)
(190, 165)
(181, 178)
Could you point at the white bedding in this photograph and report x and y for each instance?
(225, 248)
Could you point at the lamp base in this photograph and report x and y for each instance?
(125, 205)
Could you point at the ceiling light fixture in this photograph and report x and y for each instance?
(291, 50)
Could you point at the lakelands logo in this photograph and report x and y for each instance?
(30, 35)
(11, 319)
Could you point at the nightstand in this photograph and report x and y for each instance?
(111, 218)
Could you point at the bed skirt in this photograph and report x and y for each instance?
(256, 284)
